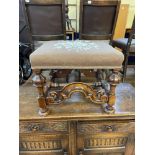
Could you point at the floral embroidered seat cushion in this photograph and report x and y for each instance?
(78, 54)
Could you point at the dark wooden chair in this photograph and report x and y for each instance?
(47, 22)
(46, 19)
(97, 22)
(127, 45)
(98, 19)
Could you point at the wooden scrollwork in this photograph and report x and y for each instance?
(100, 94)
(96, 96)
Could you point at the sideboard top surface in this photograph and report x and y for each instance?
(77, 108)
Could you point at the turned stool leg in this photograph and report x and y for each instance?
(114, 79)
(38, 82)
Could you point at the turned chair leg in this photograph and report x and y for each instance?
(114, 79)
(38, 82)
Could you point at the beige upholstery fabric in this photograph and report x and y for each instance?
(79, 54)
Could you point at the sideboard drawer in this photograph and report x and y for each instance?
(43, 127)
(105, 137)
(45, 143)
(102, 127)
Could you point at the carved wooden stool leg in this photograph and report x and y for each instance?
(38, 82)
(114, 79)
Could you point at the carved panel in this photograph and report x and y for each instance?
(38, 145)
(28, 127)
(99, 127)
(98, 96)
(43, 142)
(105, 142)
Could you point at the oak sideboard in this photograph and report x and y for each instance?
(77, 127)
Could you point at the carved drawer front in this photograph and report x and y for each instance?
(109, 144)
(43, 127)
(102, 127)
(43, 144)
(105, 138)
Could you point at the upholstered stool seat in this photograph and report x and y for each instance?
(78, 54)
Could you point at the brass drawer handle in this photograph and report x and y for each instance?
(34, 128)
(109, 128)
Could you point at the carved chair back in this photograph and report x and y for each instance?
(46, 19)
(98, 19)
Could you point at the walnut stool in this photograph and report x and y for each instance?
(79, 54)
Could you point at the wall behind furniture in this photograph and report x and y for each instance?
(131, 11)
(74, 6)
(120, 28)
